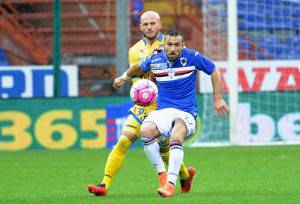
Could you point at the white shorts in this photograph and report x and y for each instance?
(164, 119)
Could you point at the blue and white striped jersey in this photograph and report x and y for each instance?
(177, 80)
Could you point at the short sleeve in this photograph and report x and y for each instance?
(145, 64)
(132, 59)
(204, 64)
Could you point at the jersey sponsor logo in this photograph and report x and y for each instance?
(131, 126)
(159, 66)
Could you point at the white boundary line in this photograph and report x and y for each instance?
(227, 144)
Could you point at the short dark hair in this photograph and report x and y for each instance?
(174, 32)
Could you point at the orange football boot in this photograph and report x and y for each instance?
(162, 178)
(167, 190)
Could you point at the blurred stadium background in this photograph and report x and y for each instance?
(256, 44)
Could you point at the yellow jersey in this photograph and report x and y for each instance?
(137, 53)
(141, 50)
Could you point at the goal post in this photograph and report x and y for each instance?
(232, 61)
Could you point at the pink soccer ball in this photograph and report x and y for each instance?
(143, 92)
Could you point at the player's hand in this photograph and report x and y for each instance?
(118, 82)
(158, 49)
(221, 108)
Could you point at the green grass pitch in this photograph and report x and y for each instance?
(225, 175)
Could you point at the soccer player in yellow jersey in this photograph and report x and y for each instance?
(150, 26)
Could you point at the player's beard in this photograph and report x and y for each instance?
(150, 37)
(172, 56)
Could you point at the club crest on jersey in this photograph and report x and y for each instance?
(171, 73)
(183, 61)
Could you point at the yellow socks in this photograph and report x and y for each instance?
(115, 159)
(183, 172)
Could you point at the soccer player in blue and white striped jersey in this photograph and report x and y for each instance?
(175, 70)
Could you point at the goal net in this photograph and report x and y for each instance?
(267, 67)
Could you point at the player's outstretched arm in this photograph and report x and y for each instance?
(220, 106)
(134, 70)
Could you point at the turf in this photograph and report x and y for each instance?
(225, 175)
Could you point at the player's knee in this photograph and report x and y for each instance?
(130, 136)
(149, 129)
(179, 131)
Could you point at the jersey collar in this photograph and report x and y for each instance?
(160, 37)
